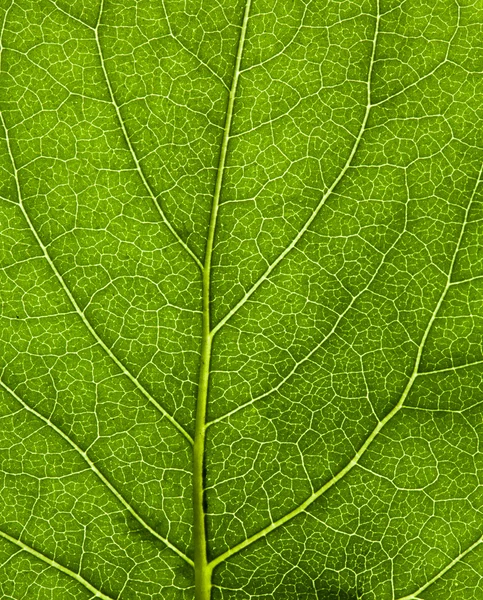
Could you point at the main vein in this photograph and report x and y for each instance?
(202, 569)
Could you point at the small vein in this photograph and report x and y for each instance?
(70, 16)
(70, 93)
(53, 563)
(172, 35)
(134, 156)
(84, 455)
(186, 49)
(433, 71)
(76, 306)
(285, 47)
(450, 565)
(451, 369)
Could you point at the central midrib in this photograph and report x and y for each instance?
(203, 569)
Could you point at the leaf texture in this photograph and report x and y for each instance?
(241, 277)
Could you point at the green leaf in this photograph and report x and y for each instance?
(241, 277)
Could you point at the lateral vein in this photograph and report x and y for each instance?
(84, 455)
(319, 344)
(53, 563)
(319, 206)
(76, 306)
(444, 570)
(134, 156)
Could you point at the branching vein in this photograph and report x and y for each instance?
(85, 456)
(134, 156)
(52, 563)
(202, 569)
(76, 306)
(395, 410)
(319, 206)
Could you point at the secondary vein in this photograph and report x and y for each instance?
(318, 345)
(444, 570)
(52, 563)
(312, 217)
(134, 156)
(74, 303)
(91, 464)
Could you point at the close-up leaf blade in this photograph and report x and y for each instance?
(240, 274)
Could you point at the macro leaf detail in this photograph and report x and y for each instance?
(241, 300)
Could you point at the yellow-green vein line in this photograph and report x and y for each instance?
(134, 156)
(301, 508)
(76, 306)
(52, 563)
(97, 472)
(203, 570)
(450, 565)
(321, 203)
(319, 344)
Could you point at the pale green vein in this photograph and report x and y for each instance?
(8, 200)
(286, 45)
(452, 369)
(25, 55)
(187, 50)
(301, 508)
(342, 315)
(2, 30)
(469, 280)
(322, 201)
(76, 306)
(458, 411)
(52, 563)
(127, 140)
(70, 16)
(450, 565)
(203, 570)
(433, 71)
(319, 345)
(84, 455)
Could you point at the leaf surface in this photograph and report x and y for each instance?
(241, 319)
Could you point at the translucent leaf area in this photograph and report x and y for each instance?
(241, 299)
